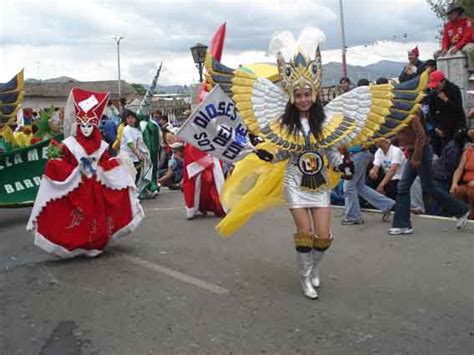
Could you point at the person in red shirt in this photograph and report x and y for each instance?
(458, 35)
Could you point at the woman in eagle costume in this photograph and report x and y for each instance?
(280, 104)
(86, 197)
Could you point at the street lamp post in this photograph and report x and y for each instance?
(117, 40)
(343, 37)
(199, 56)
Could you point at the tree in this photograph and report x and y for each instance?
(139, 88)
(439, 7)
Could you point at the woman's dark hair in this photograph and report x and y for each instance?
(127, 113)
(363, 82)
(430, 63)
(381, 80)
(344, 79)
(291, 119)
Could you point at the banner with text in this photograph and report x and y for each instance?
(215, 127)
(20, 174)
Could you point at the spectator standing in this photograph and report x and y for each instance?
(446, 111)
(413, 68)
(414, 138)
(132, 140)
(357, 187)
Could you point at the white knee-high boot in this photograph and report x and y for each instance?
(319, 248)
(304, 257)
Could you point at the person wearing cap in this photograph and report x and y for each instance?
(445, 109)
(414, 66)
(174, 174)
(458, 34)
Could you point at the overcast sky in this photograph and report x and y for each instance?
(74, 37)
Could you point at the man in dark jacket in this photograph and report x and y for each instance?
(413, 68)
(445, 109)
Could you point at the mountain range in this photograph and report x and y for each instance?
(332, 72)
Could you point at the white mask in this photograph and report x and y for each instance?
(86, 129)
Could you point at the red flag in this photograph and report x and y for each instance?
(216, 48)
(217, 42)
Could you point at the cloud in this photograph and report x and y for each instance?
(74, 38)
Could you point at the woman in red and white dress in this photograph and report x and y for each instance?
(86, 197)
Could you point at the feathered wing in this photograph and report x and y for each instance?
(12, 95)
(360, 116)
(260, 101)
(368, 113)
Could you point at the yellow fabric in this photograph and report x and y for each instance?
(255, 186)
(7, 134)
(333, 178)
(22, 139)
(116, 145)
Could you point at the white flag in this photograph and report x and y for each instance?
(215, 127)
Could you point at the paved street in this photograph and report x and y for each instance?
(176, 287)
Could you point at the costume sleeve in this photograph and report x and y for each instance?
(377, 158)
(334, 157)
(445, 40)
(466, 36)
(108, 162)
(59, 169)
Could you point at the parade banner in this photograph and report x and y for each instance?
(20, 174)
(215, 127)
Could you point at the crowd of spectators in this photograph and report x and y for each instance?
(434, 154)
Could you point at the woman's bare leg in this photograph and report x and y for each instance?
(302, 220)
(322, 221)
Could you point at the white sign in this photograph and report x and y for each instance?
(215, 127)
(89, 103)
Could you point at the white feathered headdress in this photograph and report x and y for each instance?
(299, 61)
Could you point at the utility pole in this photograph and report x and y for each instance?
(343, 37)
(117, 40)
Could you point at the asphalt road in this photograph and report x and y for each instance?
(175, 287)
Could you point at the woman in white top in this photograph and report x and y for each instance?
(132, 139)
